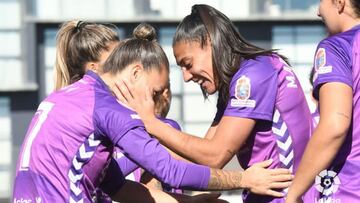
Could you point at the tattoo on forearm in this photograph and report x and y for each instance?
(343, 115)
(224, 180)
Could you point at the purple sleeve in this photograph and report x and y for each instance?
(129, 135)
(114, 179)
(126, 165)
(253, 91)
(147, 151)
(332, 63)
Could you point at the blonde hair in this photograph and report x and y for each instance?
(142, 47)
(79, 42)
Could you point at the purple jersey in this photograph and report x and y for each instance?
(337, 59)
(67, 152)
(316, 117)
(132, 171)
(266, 89)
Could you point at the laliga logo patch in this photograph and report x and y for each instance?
(242, 89)
(327, 182)
(320, 58)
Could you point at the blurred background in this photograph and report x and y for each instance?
(27, 54)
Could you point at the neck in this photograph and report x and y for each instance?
(108, 80)
(349, 24)
(348, 19)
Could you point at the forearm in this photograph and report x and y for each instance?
(320, 152)
(193, 148)
(126, 165)
(225, 180)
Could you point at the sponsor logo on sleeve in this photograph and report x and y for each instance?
(320, 62)
(242, 93)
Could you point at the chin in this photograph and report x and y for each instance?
(210, 91)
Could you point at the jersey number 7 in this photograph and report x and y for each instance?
(43, 110)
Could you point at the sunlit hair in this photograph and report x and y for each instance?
(79, 42)
(142, 47)
(163, 102)
(206, 24)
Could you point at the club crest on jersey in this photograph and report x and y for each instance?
(242, 93)
(320, 58)
(243, 88)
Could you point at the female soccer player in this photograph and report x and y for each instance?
(67, 151)
(262, 111)
(332, 157)
(83, 46)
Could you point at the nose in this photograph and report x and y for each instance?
(318, 12)
(186, 75)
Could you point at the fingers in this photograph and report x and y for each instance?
(274, 193)
(118, 94)
(128, 88)
(279, 171)
(123, 91)
(264, 164)
(282, 178)
(280, 185)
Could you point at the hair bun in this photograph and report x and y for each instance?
(145, 31)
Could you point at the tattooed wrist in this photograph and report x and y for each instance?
(224, 180)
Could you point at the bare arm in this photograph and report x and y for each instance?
(335, 117)
(257, 179)
(221, 143)
(214, 151)
(211, 131)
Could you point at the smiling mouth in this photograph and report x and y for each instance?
(199, 82)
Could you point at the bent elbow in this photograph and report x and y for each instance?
(337, 129)
(219, 160)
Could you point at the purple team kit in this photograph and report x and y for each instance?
(261, 91)
(337, 59)
(67, 152)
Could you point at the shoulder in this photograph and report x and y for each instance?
(257, 67)
(109, 112)
(335, 50)
(339, 44)
(254, 70)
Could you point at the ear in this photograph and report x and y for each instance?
(136, 71)
(340, 5)
(93, 66)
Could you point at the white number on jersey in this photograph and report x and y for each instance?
(43, 110)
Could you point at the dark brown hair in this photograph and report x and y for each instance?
(229, 48)
(356, 6)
